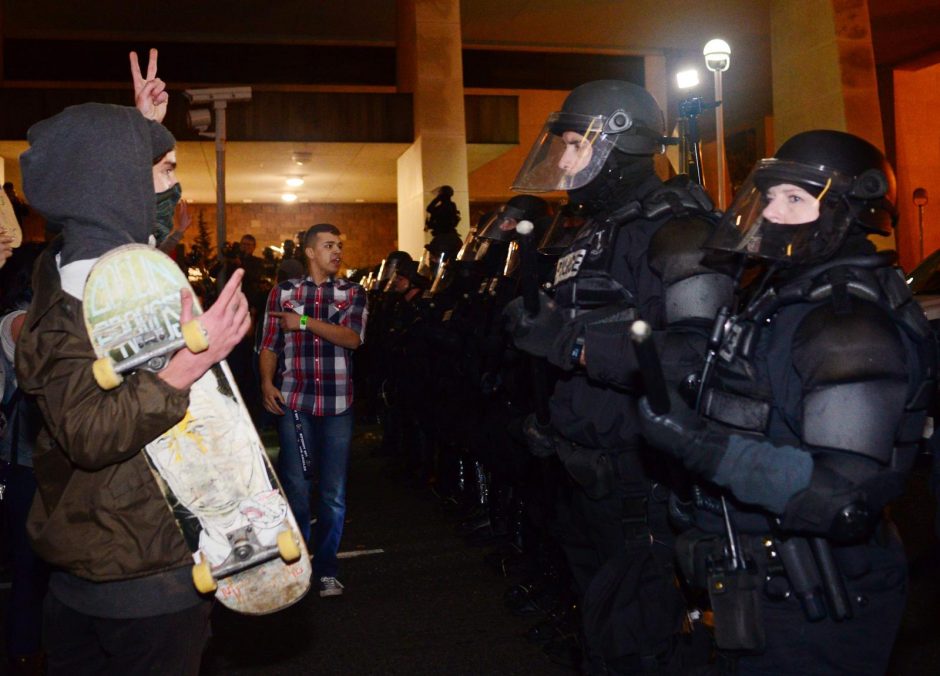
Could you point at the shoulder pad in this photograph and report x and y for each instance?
(678, 196)
(675, 249)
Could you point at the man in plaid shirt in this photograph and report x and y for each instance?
(311, 327)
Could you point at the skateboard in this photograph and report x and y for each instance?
(9, 226)
(211, 466)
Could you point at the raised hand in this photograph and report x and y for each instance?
(225, 324)
(150, 95)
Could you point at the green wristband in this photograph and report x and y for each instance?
(303, 322)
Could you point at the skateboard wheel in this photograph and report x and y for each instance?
(105, 375)
(195, 338)
(202, 578)
(287, 547)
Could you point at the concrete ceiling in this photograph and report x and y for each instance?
(352, 172)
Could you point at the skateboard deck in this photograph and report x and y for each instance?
(211, 466)
(9, 226)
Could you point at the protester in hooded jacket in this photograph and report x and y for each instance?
(121, 599)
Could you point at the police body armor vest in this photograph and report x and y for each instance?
(585, 277)
(747, 391)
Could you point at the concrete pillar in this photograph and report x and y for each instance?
(430, 67)
(824, 72)
(824, 68)
(916, 98)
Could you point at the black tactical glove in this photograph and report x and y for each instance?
(684, 435)
(533, 334)
(607, 330)
(756, 470)
(539, 438)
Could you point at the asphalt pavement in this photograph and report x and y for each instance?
(419, 601)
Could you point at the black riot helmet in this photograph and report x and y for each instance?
(801, 205)
(596, 119)
(501, 226)
(390, 266)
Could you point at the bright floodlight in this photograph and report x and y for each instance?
(295, 181)
(717, 55)
(686, 79)
(289, 197)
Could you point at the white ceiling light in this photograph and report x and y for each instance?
(295, 181)
(289, 197)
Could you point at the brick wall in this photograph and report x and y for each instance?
(370, 229)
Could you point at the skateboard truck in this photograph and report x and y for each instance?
(108, 373)
(247, 552)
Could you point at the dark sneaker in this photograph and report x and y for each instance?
(330, 586)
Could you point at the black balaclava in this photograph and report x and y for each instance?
(621, 180)
(89, 170)
(166, 208)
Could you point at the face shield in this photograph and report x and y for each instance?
(787, 212)
(430, 263)
(501, 227)
(474, 248)
(560, 233)
(387, 272)
(512, 259)
(570, 151)
(444, 278)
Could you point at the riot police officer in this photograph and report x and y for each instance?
(637, 254)
(810, 419)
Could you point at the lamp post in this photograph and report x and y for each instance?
(199, 120)
(920, 201)
(717, 59)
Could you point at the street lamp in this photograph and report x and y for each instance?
(717, 60)
(199, 119)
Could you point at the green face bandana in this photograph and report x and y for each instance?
(166, 206)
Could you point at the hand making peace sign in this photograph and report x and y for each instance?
(150, 95)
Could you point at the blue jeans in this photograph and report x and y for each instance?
(327, 438)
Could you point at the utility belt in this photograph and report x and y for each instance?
(602, 472)
(771, 567)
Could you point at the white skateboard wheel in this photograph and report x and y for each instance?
(287, 547)
(202, 578)
(105, 375)
(194, 336)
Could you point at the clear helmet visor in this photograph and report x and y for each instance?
(569, 152)
(784, 212)
(511, 264)
(430, 263)
(474, 247)
(443, 279)
(502, 226)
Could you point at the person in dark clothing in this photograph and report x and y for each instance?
(29, 574)
(809, 421)
(442, 221)
(637, 254)
(121, 599)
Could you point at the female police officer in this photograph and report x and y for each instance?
(809, 421)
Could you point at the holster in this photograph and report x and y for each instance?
(735, 600)
(590, 468)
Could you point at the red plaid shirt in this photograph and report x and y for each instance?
(313, 374)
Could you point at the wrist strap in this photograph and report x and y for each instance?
(303, 322)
